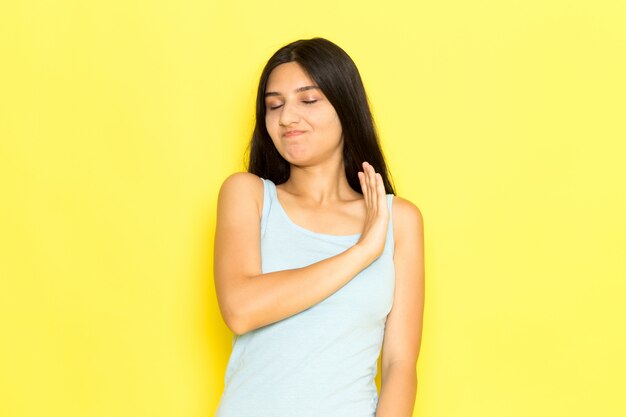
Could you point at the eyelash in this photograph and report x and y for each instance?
(306, 102)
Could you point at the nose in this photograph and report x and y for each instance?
(288, 115)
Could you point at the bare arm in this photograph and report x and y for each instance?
(403, 330)
(270, 297)
(249, 299)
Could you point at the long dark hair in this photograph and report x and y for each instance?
(335, 73)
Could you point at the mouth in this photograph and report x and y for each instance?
(293, 133)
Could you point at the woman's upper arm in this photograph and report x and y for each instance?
(403, 330)
(237, 253)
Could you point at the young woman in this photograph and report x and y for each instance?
(318, 264)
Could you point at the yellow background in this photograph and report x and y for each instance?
(504, 121)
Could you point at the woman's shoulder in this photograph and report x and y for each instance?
(406, 217)
(239, 188)
(242, 179)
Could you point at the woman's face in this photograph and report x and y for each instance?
(294, 103)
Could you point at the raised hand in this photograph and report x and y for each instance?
(377, 217)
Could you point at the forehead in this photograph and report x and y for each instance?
(287, 77)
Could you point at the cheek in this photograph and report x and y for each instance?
(273, 129)
(331, 121)
(270, 122)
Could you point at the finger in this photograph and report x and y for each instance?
(382, 196)
(380, 185)
(372, 187)
(363, 178)
(372, 197)
(366, 179)
(363, 185)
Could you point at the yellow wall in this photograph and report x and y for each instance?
(503, 121)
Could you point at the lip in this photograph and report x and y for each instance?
(293, 133)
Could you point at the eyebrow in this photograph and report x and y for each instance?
(297, 90)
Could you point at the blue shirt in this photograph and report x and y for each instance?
(322, 361)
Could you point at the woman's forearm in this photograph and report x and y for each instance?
(273, 296)
(398, 391)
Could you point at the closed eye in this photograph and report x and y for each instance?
(306, 102)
